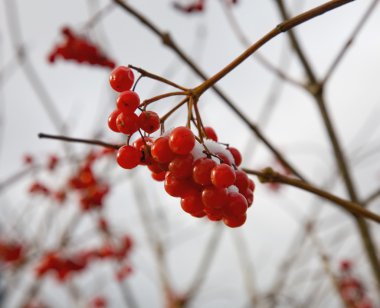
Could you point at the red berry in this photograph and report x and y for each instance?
(182, 166)
(128, 101)
(224, 158)
(127, 123)
(222, 175)
(149, 121)
(177, 187)
(112, 120)
(128, 157)
(236, 154)
(192, 203)
(157, 167)
(235, 221)
(161, 151)
(214, 214)
(210, 133)
(143, 145)
(121, 79)
(202, 171)
(251, 185)
(160, 176)
(214, 197)
(181, 140)
(248, 194)
(237, 204)
(199, 214)
(242, 180)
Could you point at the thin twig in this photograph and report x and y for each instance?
(353, 36)
(145, 73)
(268, 175)
(168, 41)
(79, 140)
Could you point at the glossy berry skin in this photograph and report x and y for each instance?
(127, 123)
(176, 187)
(182, 166)
(210, 133)
(181, 140)
(112, 120)
(143, 145)
(251, 185)
(235, 221)
(214, 214)
(128, 157)
(161, 151)
(248, 194)
(128, 101)
(202, 171)
(237, 204)
(159, 177)
(237, 156)
(149, 121)
(222, 176)
(241, 181)
(192, 203)
(121, 79)
(214, 197)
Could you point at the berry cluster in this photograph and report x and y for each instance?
(85, 183)
(11, 252)
(79, 49)
(204, 174)
(65, 266)
(350, 287)
(195, 7)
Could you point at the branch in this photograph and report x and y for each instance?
(268, 175)
(79, 140)
(167, 41)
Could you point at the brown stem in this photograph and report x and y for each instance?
(80, 140)
(170, 112)
(372, 197)
(168, 41)
(283, 27)
(279, 72)
(268, 175)
(350, 40)
(159, 97)
(316, 90)
(145, 73)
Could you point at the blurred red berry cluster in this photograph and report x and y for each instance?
(351, 288)
(195, 6)
(64, 266)
(79, 49)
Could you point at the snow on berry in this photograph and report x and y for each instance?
(192, 165)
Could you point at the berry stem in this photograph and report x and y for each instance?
(159, 97)
(282, 27)
(79, 140)
(145, 73)
(170, 112)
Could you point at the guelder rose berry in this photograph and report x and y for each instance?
(128, 157)
(222, 175)
(181, 140)
(128, 101)
(122, 78)
(204, 175)
(149, 121)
